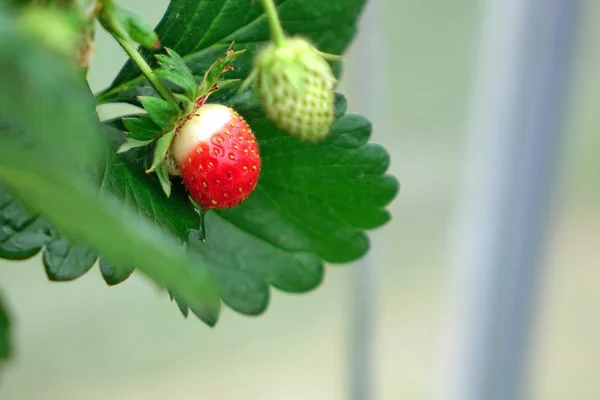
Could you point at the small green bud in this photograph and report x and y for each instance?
(139, 30)
(129, 26)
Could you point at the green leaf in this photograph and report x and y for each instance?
(162, 147)
(160, 111)
(5, 337)
(174, 60)
(174, 69)
(142, 128)
(185, 102)
(57, 164)
(317, 197)
(202, 30)
(114, 275)
(244, 265)
(65, 261)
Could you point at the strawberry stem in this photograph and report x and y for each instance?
(274, 22)
(137, 58)
(113, 26)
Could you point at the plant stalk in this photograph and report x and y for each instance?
(114, 27)
(274, 22)
(146, 70)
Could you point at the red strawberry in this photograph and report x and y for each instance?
(218, 156)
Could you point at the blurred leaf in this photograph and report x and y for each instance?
(47, 164)
(56, 86)
(202, 30)
(58, 30)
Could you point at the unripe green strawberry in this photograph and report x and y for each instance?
(218, 156)
(295, 85)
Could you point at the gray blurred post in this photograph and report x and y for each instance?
(515, 138)
(367, 99)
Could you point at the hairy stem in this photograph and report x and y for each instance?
(137, 58)
(274, 22)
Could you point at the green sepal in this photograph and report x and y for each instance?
(223, 83)
(161, 112)
(250, 80)
(266, 81)
(163, 178)
(218, 68)
(160, 152)
(132, 144)
(174, 69)
(328, 56)
(186, 104)
(142, 128)
(295, 75)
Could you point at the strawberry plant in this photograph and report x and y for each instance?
(242, 170)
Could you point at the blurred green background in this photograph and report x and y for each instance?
(84, 340)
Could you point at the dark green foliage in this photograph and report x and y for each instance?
(142, 128)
